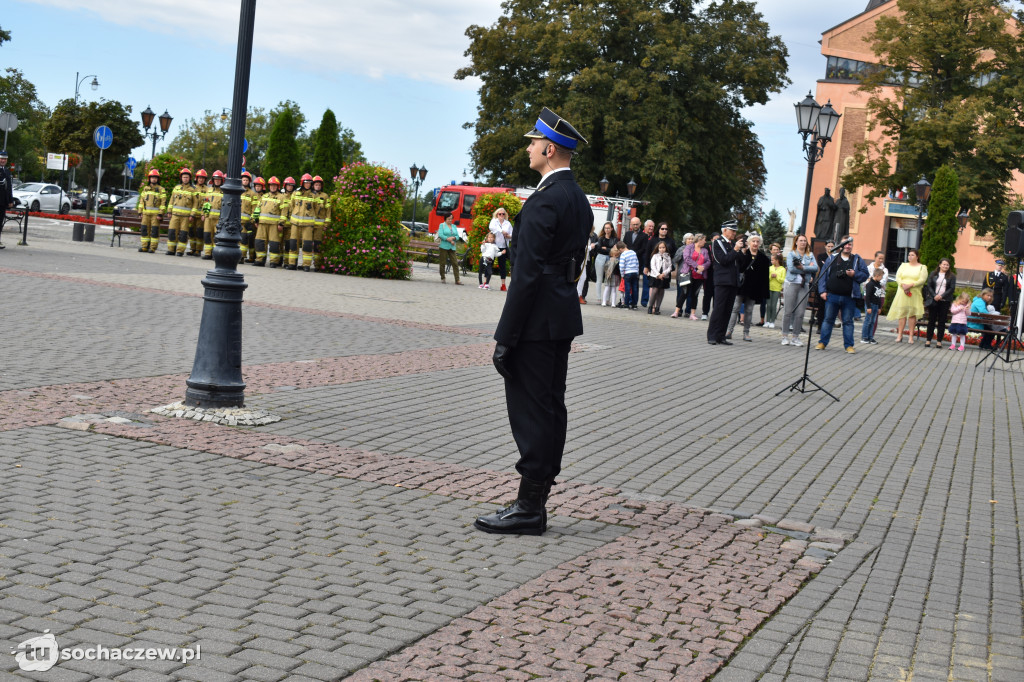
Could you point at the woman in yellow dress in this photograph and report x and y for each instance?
(908, 305)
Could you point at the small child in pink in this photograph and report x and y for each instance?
(958, 322)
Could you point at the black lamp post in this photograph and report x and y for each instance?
(924, 192)
(165, 125)
(816, 125)
(216, 379)
(418, 175)
(78, 84)
(962, 217)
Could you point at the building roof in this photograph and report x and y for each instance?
(875, 3)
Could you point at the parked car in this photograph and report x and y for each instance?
(40, 196)
(127, 203)
(415, 228)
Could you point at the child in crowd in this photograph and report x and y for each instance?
(661, 276)
(776, 278)
(488, 252)
(610, 292)
(629, 267)
(958, 321)
(874, 298)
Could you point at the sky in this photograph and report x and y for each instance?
(386, 68)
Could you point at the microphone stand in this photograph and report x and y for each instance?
(1012, 336)
(800, 384)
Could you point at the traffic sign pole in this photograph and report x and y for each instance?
(99, 175)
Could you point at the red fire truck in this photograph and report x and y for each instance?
(459, 199)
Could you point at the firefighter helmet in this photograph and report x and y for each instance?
(306, 177)
(246, 174)
(259, 181)
(201, 173)
(218, 174)
(273, 181)
(317, 178)
(289, 180)
(185, 171)
(153, 173)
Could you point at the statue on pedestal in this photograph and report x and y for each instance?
(842, 217)
(823, 219)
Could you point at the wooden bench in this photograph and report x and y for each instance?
(421, 247)
(995, 324)
(130, 222)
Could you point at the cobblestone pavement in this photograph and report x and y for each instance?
(703, 527)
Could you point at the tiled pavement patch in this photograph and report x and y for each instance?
(669, 601)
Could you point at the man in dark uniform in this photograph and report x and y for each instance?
(999, 283)
(724, 253)
(6, 190)
(540, 319)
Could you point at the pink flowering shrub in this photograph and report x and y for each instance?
(365, 237)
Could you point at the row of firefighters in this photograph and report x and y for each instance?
(277, 221)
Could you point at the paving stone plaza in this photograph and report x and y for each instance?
(702, 528)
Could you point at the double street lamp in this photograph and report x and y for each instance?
(626, 205)
(418, 175)
(147, 122)
(816, 125)
(78, 84)
(923, 190)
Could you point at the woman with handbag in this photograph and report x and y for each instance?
(938, 297)
(753, 285)
(682, 275)
(697, 259)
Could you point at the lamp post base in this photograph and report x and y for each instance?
(216, 379)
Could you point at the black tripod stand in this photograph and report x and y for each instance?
(1010, 341)
(801, 383)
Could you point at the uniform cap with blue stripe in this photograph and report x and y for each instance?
(555, 128)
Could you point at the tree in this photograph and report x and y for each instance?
(773, 229)
(333, 147)
(204, 142)
(70, 129)
(657, 88)
(938, 239)
(24, 144)
(5, 36)
(949, 91)
(282, 157)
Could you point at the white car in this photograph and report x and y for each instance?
(39, 196)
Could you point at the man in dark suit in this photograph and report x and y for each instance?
(540, 319)
(999, 283)
(634, 231)
(724, 253)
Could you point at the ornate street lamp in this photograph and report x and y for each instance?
(418, 175)
(816, 124)
(923, 189)
(147, 122)
(962, 217)
(216, 378)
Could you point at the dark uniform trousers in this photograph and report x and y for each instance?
(718, 324)
(535, 396)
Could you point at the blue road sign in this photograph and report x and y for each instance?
(245, 146)
(132, 163)
(102, 136)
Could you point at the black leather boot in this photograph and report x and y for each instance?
(526, 516)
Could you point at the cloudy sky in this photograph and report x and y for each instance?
(384, 67)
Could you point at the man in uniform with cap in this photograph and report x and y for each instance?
(724, 253)
(6, 190)
(539, 321)
(998, 282)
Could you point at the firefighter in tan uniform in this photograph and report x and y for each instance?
(152, 206)
(180, 206)
(323, 216)
(195, 227)
(211, 213)
(286, 229)
(250, 199)
(303, 219)
(273, 210)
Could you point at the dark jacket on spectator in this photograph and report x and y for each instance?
(755, 280)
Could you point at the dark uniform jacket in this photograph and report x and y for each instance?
(551, 229)
(726, 272)
(6, 188)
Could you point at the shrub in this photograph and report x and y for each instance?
(483, 211)
(365, 237)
